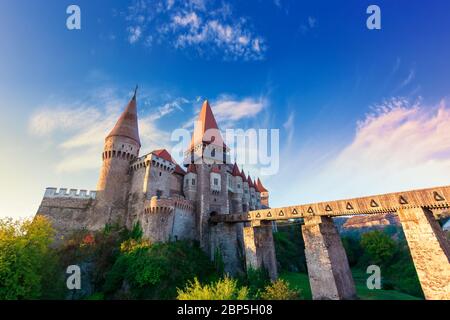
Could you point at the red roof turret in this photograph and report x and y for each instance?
(206, 122)
(127, 125)
(235, 172)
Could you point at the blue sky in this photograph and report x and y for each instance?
(359, 111)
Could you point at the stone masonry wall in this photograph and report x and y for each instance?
(328, 269)
(430, 251)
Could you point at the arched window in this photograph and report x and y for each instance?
(213, 152)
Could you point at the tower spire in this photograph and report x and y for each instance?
(205, 122)
(135, 92)
(127, 124)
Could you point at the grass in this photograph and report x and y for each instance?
(300, 281)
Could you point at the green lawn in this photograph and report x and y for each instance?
(300, 281)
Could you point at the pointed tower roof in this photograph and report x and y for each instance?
(205, 122)
(244, 178)
(215, 170)
(179, 170)
(260, 186)
(164, 154)
(192, 169)
(235, 172)
(250, 182)
(127, 125)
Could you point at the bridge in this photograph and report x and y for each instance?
(328, 269)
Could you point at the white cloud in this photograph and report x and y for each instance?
(227, 108)
(206, 27)
(409, 78)
(400, 146)
(312, 22)
(289, 127)
(78, 131)
(134, 34)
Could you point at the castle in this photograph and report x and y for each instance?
(168, 202)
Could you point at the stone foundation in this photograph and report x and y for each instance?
(260, 248)
(328, 269)
(430, 251)
(225, 241)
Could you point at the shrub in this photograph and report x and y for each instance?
(131, 245)
(224, 289)
(279, 290)
(27, 263)
(156, 271)
(256, 281)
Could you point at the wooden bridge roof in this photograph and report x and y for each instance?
(432, 198)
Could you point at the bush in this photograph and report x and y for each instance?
(27, 262)
(256, 280)
(155, 271)
(224, 289)
(279, 290)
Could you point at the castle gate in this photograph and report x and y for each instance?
(328, 269)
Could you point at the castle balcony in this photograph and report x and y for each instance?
(72, 193)
(167, 205)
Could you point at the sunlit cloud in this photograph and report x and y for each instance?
(401, 145)
(209, 28)
(78, 130)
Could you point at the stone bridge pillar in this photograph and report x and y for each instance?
(224, 240)
(328, 269)
(260, 248)
(430, 251)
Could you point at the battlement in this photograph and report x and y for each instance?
(153, 160)
(72, 193)
(160, 205)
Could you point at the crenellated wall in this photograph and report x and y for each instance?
(167, 219)
(72, 193)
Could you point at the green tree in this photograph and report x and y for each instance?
(378, 246)
(27, 263)
(155, 271)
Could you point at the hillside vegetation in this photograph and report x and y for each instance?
(117, 263)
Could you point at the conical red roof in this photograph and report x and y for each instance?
(127, 125)
(250, 182)
(244, 178)
(179, 170)
(191, 168)
(206, 122)
(235, 172)
(215, 170)
(163, 153)
(260, 186)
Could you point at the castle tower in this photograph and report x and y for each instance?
(190, 183)
(252, 192)
(209, 154)
(236, 198)
(121, 147)
(264, 194)
(246, 194)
